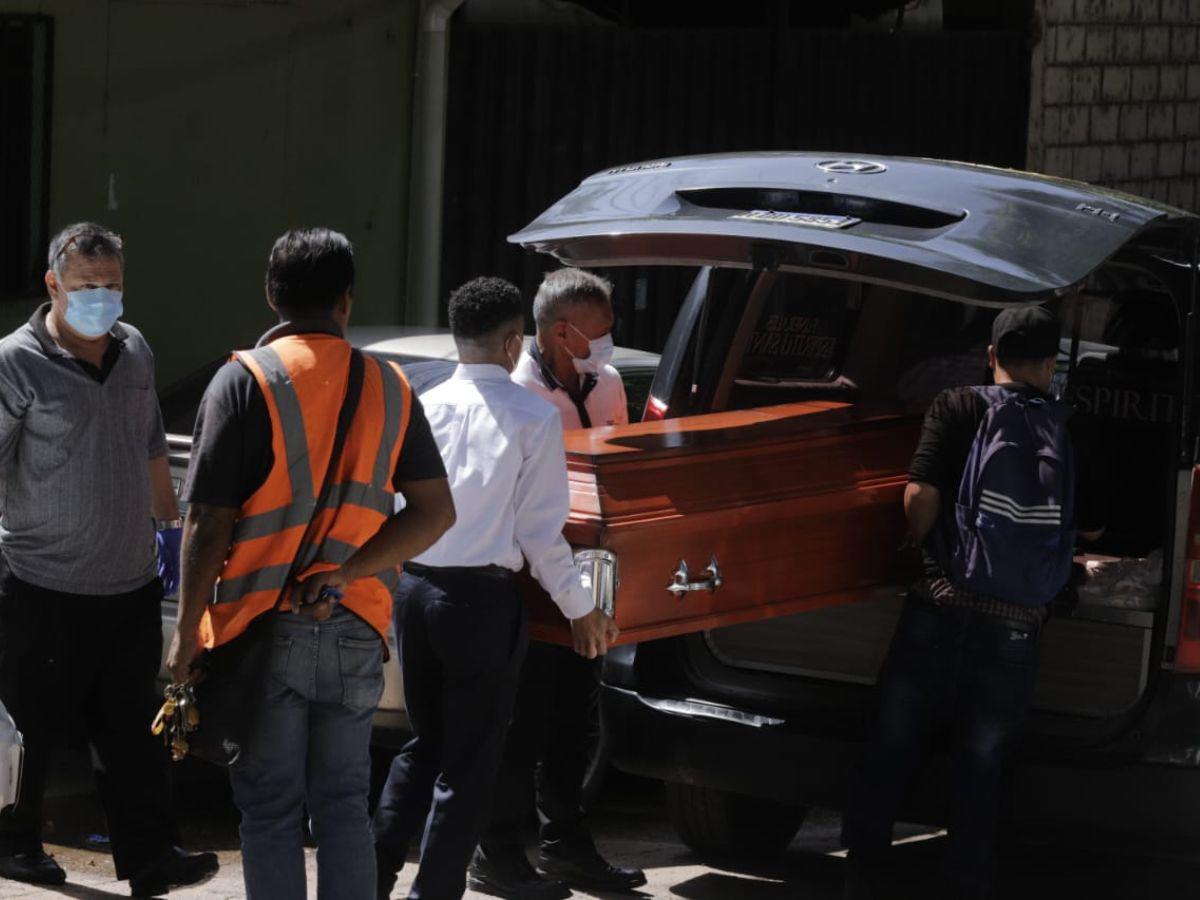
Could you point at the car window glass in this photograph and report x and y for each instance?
(1122, 376)
(938, 344)
(801, 331)
(180, 401)
(637, 389)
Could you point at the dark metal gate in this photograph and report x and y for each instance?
(25, 65)
(533, 110)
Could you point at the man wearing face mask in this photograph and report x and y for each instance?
(84, 476)
(555, 726)
(568, 362)
(459, 617)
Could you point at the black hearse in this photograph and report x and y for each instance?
(871, 282)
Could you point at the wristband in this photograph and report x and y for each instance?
(167, 524)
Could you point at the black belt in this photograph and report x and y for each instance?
(941, 593)
(489, 571)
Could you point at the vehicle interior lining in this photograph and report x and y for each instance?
(829, 339)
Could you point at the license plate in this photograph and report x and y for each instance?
(814, 220)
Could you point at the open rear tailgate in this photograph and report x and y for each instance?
(800, 505)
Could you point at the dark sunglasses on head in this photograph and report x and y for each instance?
(73, 240)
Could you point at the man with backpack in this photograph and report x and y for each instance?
(991, 502)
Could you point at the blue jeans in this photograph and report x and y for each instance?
(310, 747)
(971, 677)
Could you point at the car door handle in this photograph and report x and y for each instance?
(681, 583)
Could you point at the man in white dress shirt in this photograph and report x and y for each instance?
(555, 725)
(460, 621)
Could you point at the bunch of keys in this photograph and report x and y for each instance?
(178, 717)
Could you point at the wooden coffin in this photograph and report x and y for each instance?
(799, 504)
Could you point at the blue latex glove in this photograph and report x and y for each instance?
(168, 558)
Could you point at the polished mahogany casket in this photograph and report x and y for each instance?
(771, 511)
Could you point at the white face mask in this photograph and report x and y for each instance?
(599, 356)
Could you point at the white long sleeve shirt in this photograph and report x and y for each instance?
(503, 450)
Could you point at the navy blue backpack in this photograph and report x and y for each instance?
(1013, 531)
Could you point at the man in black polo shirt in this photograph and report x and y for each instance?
(84, 475)
(959, 656)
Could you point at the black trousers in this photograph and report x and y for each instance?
(462, 639)
(554, 731)
(72, 662)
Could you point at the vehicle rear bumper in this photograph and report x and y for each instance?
(719, 747)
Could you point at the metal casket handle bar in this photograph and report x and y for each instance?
(680, 583)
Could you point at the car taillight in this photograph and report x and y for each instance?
(656, 410)
(1187, 654)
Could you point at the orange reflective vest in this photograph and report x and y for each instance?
(303, 378)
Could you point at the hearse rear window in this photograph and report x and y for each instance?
(801, 332)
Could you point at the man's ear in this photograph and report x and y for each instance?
(992, 357)
(51, 281)
(270, 299)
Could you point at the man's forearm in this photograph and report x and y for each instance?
(207, 534)
(413, 530)
(922, 504)
(163, 503)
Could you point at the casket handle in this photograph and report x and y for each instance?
(680, 583)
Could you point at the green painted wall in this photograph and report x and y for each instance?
(201, 130)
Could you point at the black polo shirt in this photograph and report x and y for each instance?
(231, 447)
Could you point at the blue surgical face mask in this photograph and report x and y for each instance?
(599, 357)
(94, 312)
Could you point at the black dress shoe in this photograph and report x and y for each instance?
(510, 875)
(587, 869)
(32, 868)
(175, 868)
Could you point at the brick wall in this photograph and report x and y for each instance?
(1115, 95)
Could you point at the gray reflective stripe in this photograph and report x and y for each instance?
(393, 402)
(275, 577)
(352, 493)
(272, 521)
(268, 578)
(336, 552)
(291, 419)
(339, 552)
(355, 493)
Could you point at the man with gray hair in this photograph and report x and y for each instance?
(568, 362)
(84, 476)
(555, 724)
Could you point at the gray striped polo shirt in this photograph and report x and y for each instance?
(75, 445)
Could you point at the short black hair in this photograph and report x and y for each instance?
(482, 305)
(86, 239)
(309, 270)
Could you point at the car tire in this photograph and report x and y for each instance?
(721, 825)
